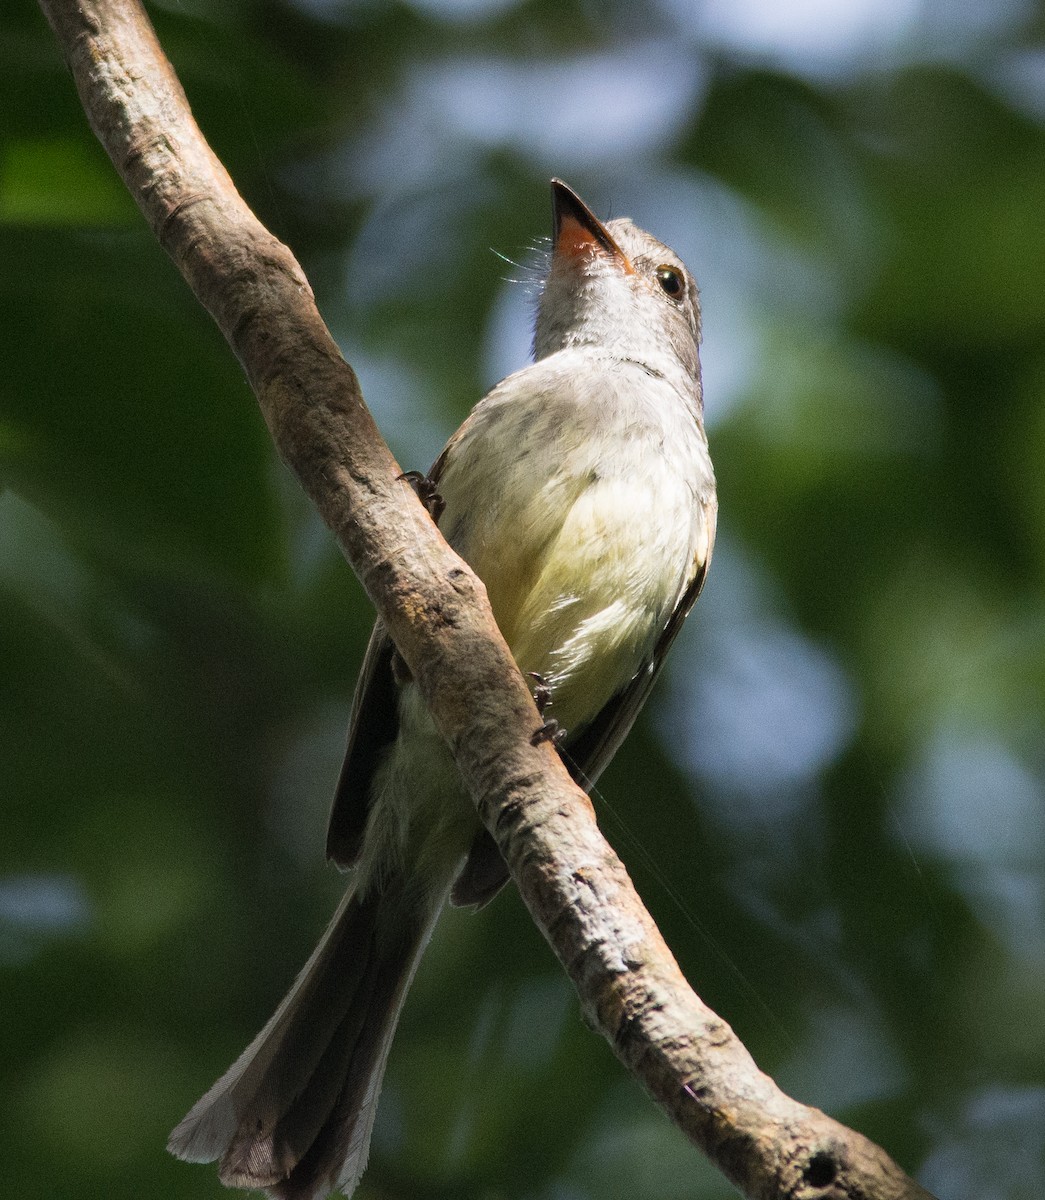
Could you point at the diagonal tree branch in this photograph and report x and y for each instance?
(578, 892)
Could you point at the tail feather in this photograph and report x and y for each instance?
(294, 1113)
(338, 1153)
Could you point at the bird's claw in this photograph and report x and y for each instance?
(542, 692)
(550, 731)
(426, 492)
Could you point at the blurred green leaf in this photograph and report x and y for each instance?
(60, 181)
(179, 637)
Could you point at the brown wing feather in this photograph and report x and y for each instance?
(483, 875)
(373, 727)
(589, 752)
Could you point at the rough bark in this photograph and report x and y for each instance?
(578, 892)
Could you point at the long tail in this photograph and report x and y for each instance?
(294, 1113)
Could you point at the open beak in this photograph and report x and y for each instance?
(577, 231)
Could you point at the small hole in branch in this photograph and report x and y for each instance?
(821, 1170)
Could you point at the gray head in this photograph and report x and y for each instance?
(616, 287)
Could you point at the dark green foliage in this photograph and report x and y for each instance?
(834, 806)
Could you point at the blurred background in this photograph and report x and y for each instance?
(834, 803)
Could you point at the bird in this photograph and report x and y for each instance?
(580, 490)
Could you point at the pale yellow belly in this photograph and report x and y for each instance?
(582, 582)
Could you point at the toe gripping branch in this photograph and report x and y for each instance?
(425, 491)
(551, 730)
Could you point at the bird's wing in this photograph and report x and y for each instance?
(373, 727)
(588, 753)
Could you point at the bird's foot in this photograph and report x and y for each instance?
(542, 692)
(550, 731)
(426, 492)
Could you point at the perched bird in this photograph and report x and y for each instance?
(581, 492)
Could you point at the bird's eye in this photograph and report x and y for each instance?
(671, 281)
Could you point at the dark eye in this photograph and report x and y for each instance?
(671, 281)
